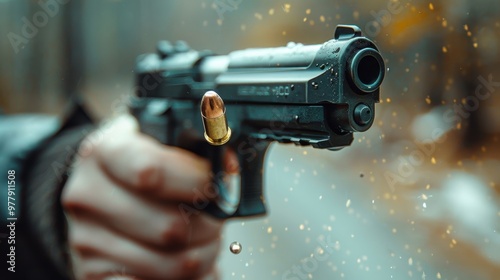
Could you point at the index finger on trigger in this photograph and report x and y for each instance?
(142, 164)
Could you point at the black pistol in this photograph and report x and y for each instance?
(314, 95)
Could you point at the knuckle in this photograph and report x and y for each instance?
(174, 237)
(175, 234)
(108, 147)
(79, 243)
(78, 198)
(71, 197)
(83, 249)
(146, 173)
(192, 266)
(87, 147)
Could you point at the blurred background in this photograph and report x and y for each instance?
(415, 197)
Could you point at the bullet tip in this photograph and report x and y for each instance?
(212, 105)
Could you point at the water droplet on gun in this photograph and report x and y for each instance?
(235, 248)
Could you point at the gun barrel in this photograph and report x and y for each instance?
(367, 70)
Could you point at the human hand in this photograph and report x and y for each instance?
(122, 203)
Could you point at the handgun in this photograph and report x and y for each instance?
(316, 95)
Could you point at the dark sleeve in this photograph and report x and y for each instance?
(40, 232)
(43, 221)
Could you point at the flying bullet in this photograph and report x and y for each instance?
(213, 114)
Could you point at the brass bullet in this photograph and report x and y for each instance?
(213, 114)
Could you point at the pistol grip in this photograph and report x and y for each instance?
(251, 198)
